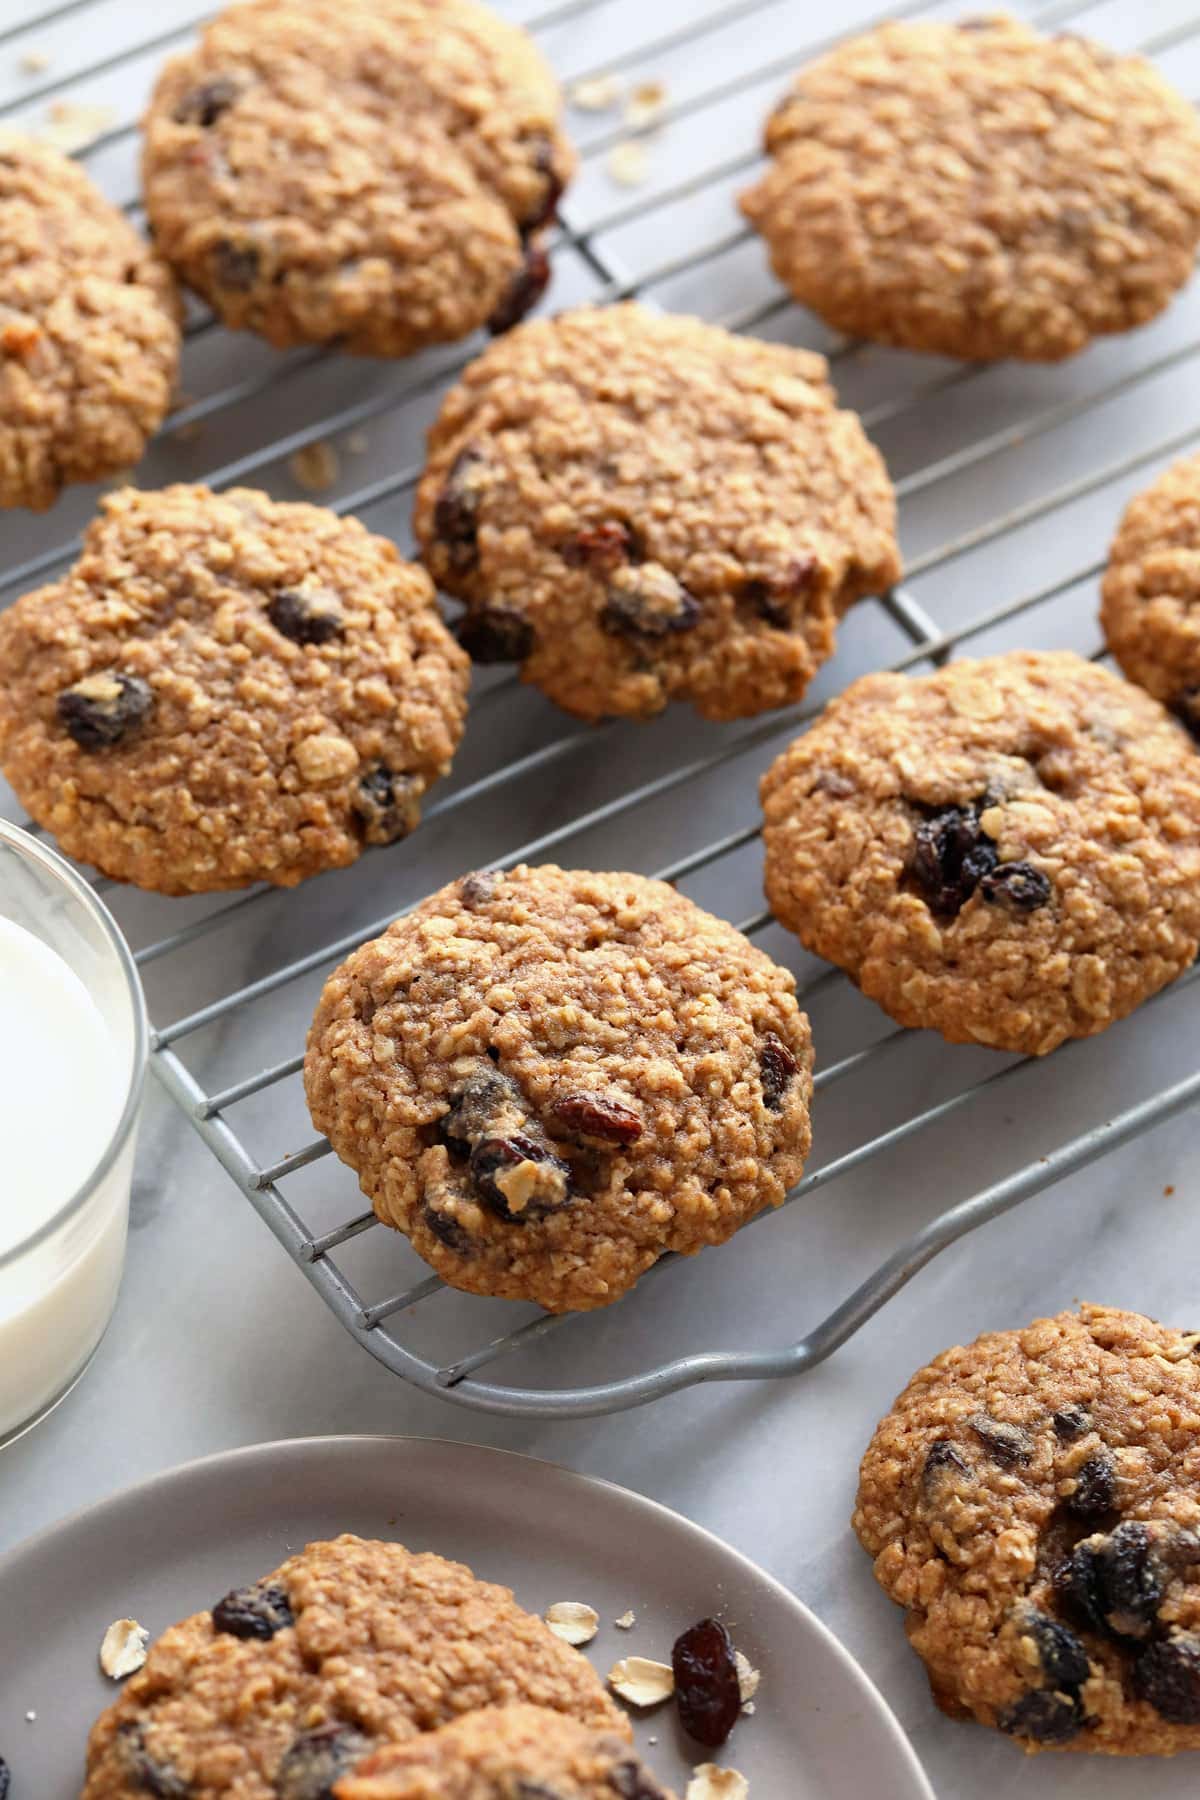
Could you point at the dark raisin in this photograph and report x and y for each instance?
(1061, 1657)
(446, 1230)
(598, 1116)
(546, 206)
(648, 601)
(1018, 884)
(387, 804)
(518, 1178)
(101, 709)
(456, 512)
(941, 1456)
(314, 1761)
(147, 1772)
(5, 1779)
(1007, 1444)
(253, 1612)
(1168, 1676)
(1186, 707)
(1095, 1488)
(706, 1683)
(1116, 1581)
(478, 888)
(1071, 1422)
(775, 601)
(630, 1781)
(951, 854)
(777, 1067)
(534, 1790)
(307, 615)
(489, 1103)
(603, 546)
(235, 266)
(1044, 1717)
(495, 634)
(205, 104)
(525, 290)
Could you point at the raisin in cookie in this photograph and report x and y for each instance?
(225, 689)
(351, 1645)
(548, 1078)
(377, 172)
(980, 191)
(89, 329)
(505, 1753)
(1007, 850)
(1033, 1501)
(639, 508)
(1150, 595)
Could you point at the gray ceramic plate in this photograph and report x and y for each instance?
(176, 1543)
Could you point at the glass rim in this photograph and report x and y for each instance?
(60, 871)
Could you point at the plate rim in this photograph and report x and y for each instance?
(164, 1479)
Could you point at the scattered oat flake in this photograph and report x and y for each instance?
(35, 62)
(626, 1622)
(70, 125)
(573, 1621)
(31, 1716)
(358, 443)
(314, 467)
(642, 1682)
(711, 1783)
(596, 93)
(1167, 1192)
(124, 1648)
(645, 103)
(748, 1677)
(628, 163)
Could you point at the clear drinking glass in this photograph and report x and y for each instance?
(58, 1282)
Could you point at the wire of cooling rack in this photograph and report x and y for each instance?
(377, 1323)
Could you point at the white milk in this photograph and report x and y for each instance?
(61, 1094)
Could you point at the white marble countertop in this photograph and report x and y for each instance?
(218, 1341)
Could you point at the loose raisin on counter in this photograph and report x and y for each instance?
(316, 1759)
(100, 710)
(707, 1691)
(1168, 1676)
(257, 1611)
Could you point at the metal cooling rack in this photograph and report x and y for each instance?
(724, 62)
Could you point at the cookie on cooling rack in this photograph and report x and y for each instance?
(376, 174)
(1032, 1502)
(639, 508)
(548, 1078)
(506, 1753)
(351, 1645)
(89, 329)
(1150, 595)
(227, 689)
(1006, 850)
(981, 191)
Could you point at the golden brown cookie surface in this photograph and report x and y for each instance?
(1150, 596)
(1007, 851)
(979, 190)
(640, 508)
(89, 329)
(227, 689)
(1033, 1501)
(547, 1078)
(350, 1645)
(506, 1753)
(378, 174)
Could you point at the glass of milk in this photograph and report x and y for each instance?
(72, 1064)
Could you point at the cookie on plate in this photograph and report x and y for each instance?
(89, 329)
(980, 191)
(1007, 850)
(375, 172)
(227, 689)
(350, 1645)
(548, 1078)
(1032, 1502)
(639, 508)
(1150, 595)
(506, 1753)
